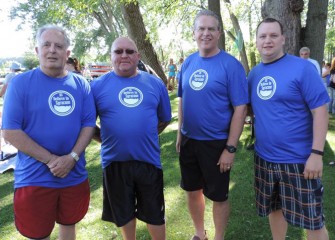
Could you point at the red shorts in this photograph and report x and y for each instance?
(37, 209)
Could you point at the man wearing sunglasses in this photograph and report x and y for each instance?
(133, 107)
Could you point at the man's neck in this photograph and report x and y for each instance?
(55, 73)
(209, 53)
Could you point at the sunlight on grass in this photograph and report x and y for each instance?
(231, 185)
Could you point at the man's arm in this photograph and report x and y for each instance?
(162, 126)
(236, 127)
(237, 124)
(180, 120)
(97, 136)
(63, 165)
(3, 90)
(20, 140)
(314, 164)
(83, 140)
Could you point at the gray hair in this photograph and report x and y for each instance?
(47, 27)
(304, 49)
(206, 12)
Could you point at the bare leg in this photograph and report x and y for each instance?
(278, 225)
(221, 211)
(196, 206)
(321, 234)
(128, 231)
(67, 232)
(157, 232)
(168, 82)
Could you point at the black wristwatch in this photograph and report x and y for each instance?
(231, 149)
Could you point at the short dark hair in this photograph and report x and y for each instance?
(206, 12)
(271, 20)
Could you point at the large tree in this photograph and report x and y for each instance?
(136, 30)
(289, 13)
(214, 5)
(238, 38)
(93, 23)
(314, 34)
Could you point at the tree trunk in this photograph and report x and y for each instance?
(239, 37)
(214, 5)
(288, 12)
(136, 31)
(314, 35)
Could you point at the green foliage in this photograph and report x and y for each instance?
(30, 60)
(93, 23)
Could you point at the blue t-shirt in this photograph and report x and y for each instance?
(283, 93)
(209, 88)
(51, 111)
(129, 110)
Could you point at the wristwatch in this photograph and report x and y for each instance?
(74, 156)
(230, 149)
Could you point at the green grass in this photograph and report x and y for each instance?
(243, 223)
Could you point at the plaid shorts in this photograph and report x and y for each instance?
(283, 186)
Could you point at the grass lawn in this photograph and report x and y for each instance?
(243, 223)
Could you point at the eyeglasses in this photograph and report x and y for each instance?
(128, 51)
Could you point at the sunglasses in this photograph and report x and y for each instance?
(128, 51)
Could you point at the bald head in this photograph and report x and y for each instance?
(123, 40)
(125, 57)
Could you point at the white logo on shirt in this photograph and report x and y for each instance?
(61, 103)
(198, 79)
(266, 88)
(131, 96)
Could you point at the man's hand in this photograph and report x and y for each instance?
(61, 166)
(313, 167)
(226, 161)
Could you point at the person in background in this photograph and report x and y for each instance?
(49, 116)
(73, 65)
(15, 69)
(213, 94)
(133, 107)
(172, 68)
(180, 63)
(331, 88)
(326, 74)
(289, 102)
(305, 53)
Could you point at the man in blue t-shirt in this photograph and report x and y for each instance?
(49, 116)
(133, 107)
(289, 102)
(213, 94)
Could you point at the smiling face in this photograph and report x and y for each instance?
(125, 57)
(270, 41)
(52, 52)
(206, 34)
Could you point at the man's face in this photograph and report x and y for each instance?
(304, 54)
(270, 41)
(125, 57)
(52, 51)
(207, 34)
